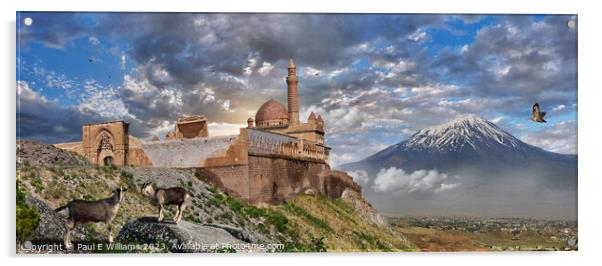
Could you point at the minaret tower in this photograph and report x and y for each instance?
(293, 100)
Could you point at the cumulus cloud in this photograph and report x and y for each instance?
(360, 177)
(397, 181)
(41, 119)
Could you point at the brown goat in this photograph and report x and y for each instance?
(84, 211)
(168, 196)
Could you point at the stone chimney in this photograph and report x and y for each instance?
(293, 100)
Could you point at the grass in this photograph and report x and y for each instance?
(310, 218)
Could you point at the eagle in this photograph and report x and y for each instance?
(538, 115)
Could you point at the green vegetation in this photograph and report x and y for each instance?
(305, 224)
(310, 218)
(28, 217)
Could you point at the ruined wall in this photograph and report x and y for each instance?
(187, 153)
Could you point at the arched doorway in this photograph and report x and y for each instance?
(107, 161)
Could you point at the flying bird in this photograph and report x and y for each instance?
(317, 74)
(538, 115)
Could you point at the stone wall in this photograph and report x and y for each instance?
(233, 180)
(187, 153)
(277, 179)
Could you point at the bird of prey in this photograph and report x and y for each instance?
(538, 115)
(317, 74)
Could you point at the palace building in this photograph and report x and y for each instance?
(274, 158)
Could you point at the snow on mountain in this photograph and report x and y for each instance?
(465, 131)
(471, 166)
(469, 142)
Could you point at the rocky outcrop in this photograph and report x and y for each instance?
(185, 237)
(336, 182)
(362, 207)
(52, 225)
(37, 153)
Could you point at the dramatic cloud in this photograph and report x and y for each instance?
(41, 119)
(375, 79)
(397, 181)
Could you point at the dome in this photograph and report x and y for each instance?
(271, 111)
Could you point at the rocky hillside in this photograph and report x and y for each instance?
(307, 223)
(36, 153)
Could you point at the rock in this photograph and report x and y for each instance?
(362, 207)
(185, 237)
(52, 224)
(336, 182)
(235, 231)
(37, 153)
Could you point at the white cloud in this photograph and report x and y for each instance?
(560, 137)
(397, 181)
(24, 93)
(310, 71)
(265, 69)
(122, 61)
(417, 36)
(103, 100)
(224, 129)
(93, 40)
(360, 177)
(559, 108)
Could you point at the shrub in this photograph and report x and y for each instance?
(28, 217)
(128, 179)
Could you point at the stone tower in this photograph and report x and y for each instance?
(293, 100)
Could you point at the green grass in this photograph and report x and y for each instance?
(307, 216)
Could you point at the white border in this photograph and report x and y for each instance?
(588, 103)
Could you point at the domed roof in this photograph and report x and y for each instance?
(271, 110)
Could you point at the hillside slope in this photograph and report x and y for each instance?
(307, 223)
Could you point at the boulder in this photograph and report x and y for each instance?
(185, 237)
(235, 231)
(52, 224)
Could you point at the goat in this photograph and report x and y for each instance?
(168, 196)
(84, 211)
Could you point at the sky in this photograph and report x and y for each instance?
(375, 78)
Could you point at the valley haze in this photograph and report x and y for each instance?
(470, 167)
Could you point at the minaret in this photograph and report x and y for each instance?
(293, 100)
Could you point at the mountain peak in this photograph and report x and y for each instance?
(463, 132)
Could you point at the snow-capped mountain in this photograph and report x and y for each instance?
(467, 142)
(466, 132)
(487, 164)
